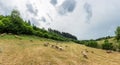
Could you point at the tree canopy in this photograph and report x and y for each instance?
(117, 32)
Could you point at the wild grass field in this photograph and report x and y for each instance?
(30, 50)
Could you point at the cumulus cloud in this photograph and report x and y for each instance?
(32, 9)
(67, 6)
(53, 2)
(88, 10)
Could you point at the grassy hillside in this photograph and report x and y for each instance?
(30, 50)
(112, 40)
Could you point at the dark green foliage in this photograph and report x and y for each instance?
(68, 35)
(1, 26)
(107, 46)
(81, 41)
(1, 16)
(64, 34)
(119, 46)
(117, 32)
(29, 23)
(91, 43)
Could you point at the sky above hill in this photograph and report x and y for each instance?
(86, 19)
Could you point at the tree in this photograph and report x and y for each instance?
(29, 23)
(117, 32)
(1, 16)
(15, 13)
(64, 34)
(1, 26)
(6, 22)
(17, 22)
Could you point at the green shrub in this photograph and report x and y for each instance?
(119, 46)
(107, 46)
(92, 43)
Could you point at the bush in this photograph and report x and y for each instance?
(107, 46)
(92, 43)
(119, 46)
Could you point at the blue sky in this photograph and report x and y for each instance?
(87, 19)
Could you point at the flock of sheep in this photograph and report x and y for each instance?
(2, 35)
(16, 36)
(56, 46)
(61, 48)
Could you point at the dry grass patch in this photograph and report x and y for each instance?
(25, 52)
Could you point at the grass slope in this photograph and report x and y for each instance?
(14, 51)
(111, 40)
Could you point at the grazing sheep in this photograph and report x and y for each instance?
(46, 44)
(2, 35)
(9, 33)
(109, 51)
(84, 54)
(60, 48)
(53, 46)
(56, 47)
(18, 37)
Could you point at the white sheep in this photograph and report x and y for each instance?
(84, 54)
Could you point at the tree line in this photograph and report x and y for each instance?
(64, 34)
(14, 24)
(106, 44)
